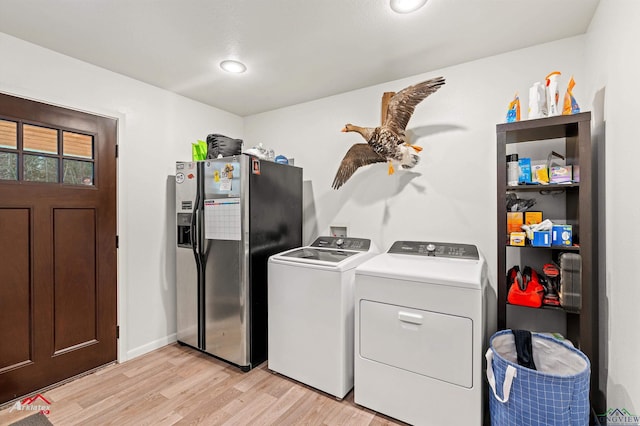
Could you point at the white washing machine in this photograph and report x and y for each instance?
(419, 333)
(311, 304)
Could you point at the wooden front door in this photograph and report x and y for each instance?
(57, 244)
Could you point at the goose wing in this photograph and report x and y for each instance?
(360, 154)
(403, 103)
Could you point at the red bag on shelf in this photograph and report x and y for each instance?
(525, 288)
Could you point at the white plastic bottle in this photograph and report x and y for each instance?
(537, 101)
(553, 94)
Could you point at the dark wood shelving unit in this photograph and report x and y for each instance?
(580, 209)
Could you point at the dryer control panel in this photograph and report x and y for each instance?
(342, 243)
(425, 248)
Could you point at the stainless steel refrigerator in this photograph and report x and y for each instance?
(232, 214)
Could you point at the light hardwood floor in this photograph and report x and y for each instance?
(179, 385)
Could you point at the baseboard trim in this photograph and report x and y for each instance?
(151, 346)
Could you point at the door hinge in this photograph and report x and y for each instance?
(117, 150)
(117, 241)
(117, 331)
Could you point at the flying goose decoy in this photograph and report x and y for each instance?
(387, 142)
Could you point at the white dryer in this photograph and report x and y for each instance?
(311, 305)
(419, 333)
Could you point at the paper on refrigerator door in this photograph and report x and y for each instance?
(222, 219)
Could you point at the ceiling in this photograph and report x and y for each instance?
(295, 50)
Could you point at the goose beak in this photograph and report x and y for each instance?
(344, 129)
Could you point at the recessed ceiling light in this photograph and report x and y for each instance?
(406, 6)
(233, 66)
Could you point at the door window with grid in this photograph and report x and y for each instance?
(33, 153)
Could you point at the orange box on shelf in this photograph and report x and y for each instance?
(532, 218)
(515, 220)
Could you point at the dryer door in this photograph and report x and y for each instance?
(429, 343)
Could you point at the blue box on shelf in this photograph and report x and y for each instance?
(561, 235)
(541, 239)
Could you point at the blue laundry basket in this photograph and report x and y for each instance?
(556, 394)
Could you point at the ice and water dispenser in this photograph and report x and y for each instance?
(184, 230)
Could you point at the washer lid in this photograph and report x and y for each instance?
(334, 253)
(323, 255)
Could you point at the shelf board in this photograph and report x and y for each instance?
(561, 126)
(543, 307)
(563, 248)
(535, 188)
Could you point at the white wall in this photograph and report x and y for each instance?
(450, 195)
(156, 128)
(614, 88)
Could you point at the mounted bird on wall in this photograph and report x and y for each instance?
(387, 143)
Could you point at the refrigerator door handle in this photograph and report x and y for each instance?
(194, 234)
(196, 226)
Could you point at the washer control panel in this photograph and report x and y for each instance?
(342, 243)
(425, 248)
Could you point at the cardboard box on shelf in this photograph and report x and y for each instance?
(560, 174)
(541, 239)
(561, 235)
(517, 239)
(515, 220)
(532, 218)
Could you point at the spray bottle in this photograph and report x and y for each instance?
(553, 94)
